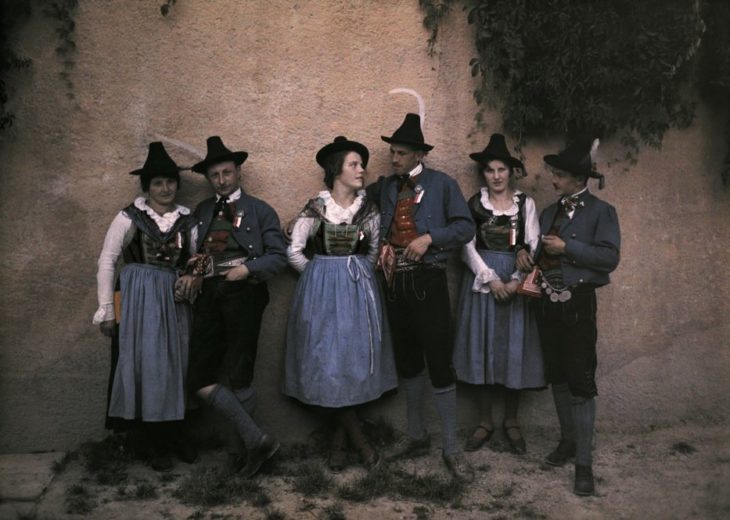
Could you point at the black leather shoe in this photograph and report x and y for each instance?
(560, 455)
(583, 481)
(260, 454)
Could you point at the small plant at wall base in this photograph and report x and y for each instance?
(14, 13)
(616, 68)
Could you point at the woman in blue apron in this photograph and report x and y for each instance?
(338, 349)
(149, 329)
(497, 343)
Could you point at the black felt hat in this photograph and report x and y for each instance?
(576, 159)
(339, 144)
(409, 133)
(158, 164)
(496, 150)
(218, 153)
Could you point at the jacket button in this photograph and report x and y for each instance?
(248, 228)
(572, 235)
(250, 246)
(580, 280)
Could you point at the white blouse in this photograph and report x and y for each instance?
(483, 274)
(118, 236)
(306, 227)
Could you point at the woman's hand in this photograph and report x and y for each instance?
(524, 261)
(107, 328)
(499, 290)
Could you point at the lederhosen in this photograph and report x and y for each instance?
(227, 315)
(567, 328)
(418, 303)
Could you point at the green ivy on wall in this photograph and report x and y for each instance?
(617, 68)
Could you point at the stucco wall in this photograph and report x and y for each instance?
(279, 79)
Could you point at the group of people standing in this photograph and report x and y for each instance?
(371, 309)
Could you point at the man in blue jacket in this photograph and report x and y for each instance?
(579, 248)
(423, 217)
(240, 246)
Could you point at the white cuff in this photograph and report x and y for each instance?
(104, 313)
(481, 281)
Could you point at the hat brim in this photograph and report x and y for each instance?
(419, 146)
(237, 157)
(156, 173)
(556, 161)
(484, 158)
(339, 146)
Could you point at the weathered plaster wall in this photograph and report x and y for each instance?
(279, 79)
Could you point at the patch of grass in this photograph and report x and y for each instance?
(210, 487)
(683, 447)
(274, 514)
(60, 465)
(430, 487)
(506, 492)
(311, 479)
(333, 512)
(197, 515)
(373, 485)
(141, 491)
(483, 468)
(421, 512)
(527, 511)
(166, 478)
(108, 459)
(78, 500)
(306, 506)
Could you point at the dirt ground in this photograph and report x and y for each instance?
(678, 472)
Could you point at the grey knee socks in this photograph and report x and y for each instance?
(584, 417)
(445, 401)
(414, 388)
(564, 406)
(223, 400)
(247, 397)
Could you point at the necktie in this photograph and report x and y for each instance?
(223, 209)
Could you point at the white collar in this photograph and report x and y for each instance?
(513, 210)
(415, 171)
(233, 197)
(575, 195)
(166, 221)
(335, 213)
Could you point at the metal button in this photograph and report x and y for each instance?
(572, 235)
(248, 228)
(580, 280)
(210, 239)
(250, 246)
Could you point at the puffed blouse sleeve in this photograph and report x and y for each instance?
(304, 227)
(118, 236)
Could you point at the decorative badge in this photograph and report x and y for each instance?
(419, 193)
(237, 219)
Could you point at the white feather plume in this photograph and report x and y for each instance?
(421, 104)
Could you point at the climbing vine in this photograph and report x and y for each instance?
(616, 68)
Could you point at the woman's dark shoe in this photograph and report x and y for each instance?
(479, 437)
(583, 481)
(516, 441)
(560, 455)
(337, 460)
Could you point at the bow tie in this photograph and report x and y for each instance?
(570, 203)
